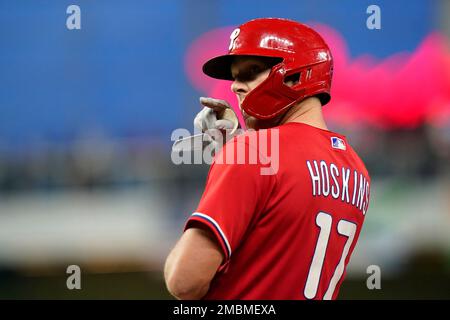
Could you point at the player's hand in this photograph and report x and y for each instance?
(211, 116)
(216, 118)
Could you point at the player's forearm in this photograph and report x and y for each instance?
(180, 282)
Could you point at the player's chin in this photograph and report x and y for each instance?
(256, 124)
(251, 123)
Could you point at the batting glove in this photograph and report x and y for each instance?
(216, 118)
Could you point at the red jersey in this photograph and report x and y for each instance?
(287, 223)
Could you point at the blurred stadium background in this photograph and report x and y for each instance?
(86, 118)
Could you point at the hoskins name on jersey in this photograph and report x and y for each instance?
(327, 179)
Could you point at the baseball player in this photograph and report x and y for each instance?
(289, 234)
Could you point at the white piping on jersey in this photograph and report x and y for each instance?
(217, 227)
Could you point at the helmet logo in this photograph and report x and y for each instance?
(233, 38)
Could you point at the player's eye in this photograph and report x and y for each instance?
(249, 74)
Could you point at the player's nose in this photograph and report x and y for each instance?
(238, 87)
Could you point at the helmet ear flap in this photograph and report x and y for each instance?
(293, 79)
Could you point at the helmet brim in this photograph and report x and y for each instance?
(220, 67)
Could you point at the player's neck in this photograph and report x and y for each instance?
(308, 111)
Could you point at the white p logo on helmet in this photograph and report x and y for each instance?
(233, 38)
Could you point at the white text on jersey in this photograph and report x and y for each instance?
(328, 179)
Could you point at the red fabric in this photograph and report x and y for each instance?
(270, 222)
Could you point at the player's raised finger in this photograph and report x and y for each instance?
(215, 104)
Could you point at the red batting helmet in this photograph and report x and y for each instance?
(301, 50)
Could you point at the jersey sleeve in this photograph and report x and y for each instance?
(234, 198)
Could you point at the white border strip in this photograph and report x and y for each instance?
(218, 228)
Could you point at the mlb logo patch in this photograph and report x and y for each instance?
(338, 143)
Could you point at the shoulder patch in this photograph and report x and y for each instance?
(338, 143)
